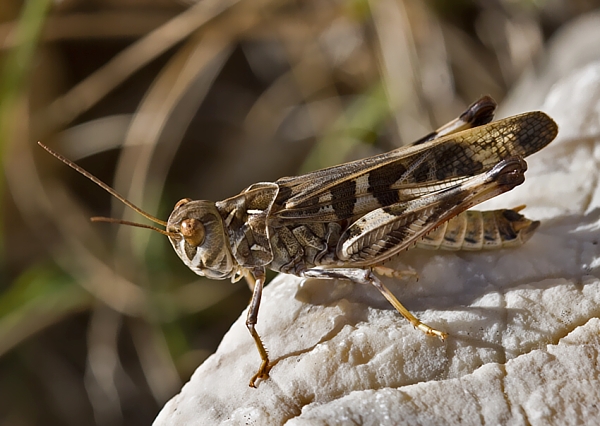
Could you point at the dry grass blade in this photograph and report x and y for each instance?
(87, 93)
(398, 59)
(91, 25)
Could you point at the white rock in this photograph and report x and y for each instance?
(524, 344)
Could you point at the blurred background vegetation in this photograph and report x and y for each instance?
(166, 99)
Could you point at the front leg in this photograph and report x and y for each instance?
(366, 276)
(259, 280)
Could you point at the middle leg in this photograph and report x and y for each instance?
(366, 276)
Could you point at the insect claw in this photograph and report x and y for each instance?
(262, 373)
(431, 331)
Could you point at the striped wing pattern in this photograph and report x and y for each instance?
(351, 190)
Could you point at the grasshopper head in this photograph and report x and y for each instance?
(194, 228)
(197, 234)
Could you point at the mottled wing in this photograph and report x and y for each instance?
(351, 190)
(383, 232)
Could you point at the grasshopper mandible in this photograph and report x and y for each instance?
(345, 221)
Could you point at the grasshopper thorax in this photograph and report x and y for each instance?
(198, 236)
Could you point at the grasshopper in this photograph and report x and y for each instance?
(346, 221)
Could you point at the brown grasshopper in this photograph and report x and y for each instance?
(344, 222)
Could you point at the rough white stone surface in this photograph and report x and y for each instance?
(524, 345)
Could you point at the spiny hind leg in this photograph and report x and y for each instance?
(366, 276)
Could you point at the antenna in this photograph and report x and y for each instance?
(114, 194)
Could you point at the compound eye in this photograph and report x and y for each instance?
(182, 202)
(192, 231)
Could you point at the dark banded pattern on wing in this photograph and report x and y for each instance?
(410, 172)
(382, 233)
